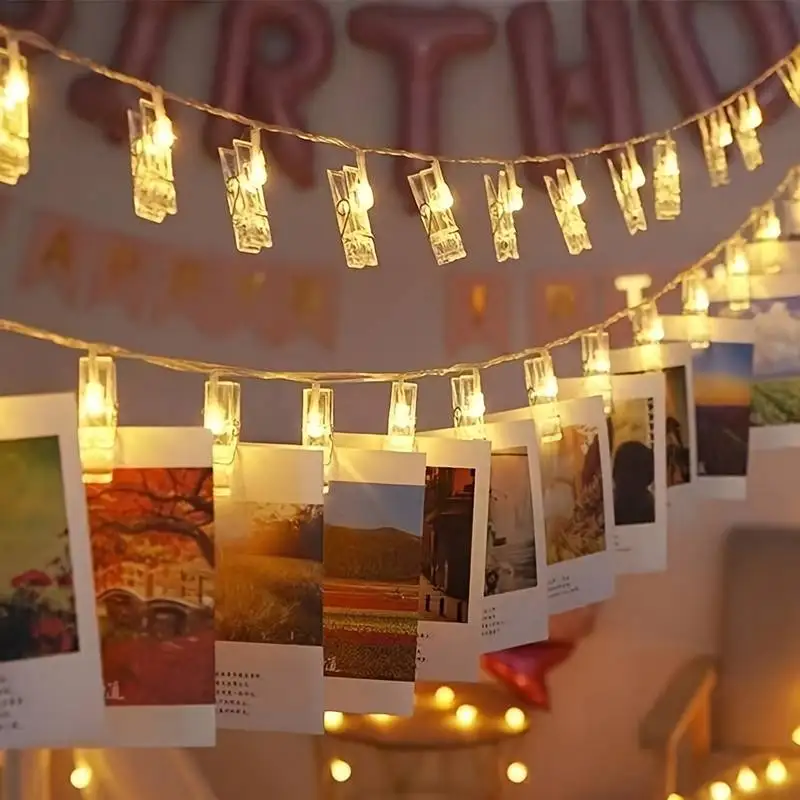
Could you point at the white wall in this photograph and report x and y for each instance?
(391, 319)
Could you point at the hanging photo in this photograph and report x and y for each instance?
(722, 388)
(268, 608)
(638, 445)
(775, 402)
(152, 531)
(453, 553)
(50, 676)
(674, 361)
(372, 550)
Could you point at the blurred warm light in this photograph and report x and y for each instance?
(675, 796)
(719, 791)
(776, 772)
(81, 777)
(333, 720)
(796, 736)
(340, 770)
(746, 780)
(444, 697)
(515, 719)
(466, 716)
(517, 772)
(381, 719)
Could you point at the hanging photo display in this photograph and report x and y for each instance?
(774, 308)
(50, 680)
(674, 361)
(577, 501)
(268, 608)
(152, 534)
(638, 445)
(453, 553)
(372, 550)
(722, 374)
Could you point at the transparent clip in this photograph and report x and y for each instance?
(352, 200)
(627, 182)
(504, 200)
(790, 75)
(97, 416)
(666, 179)
(151, 141)
(318, 422)
(596, 360)
(542, 387)
(716, 134)
(695, 308)
(745, 115)
(469, 406)
(435, 203)
(567, 195)
(244, 169)
(648, 327)
(737, 275)
(402, 416)
(222, 416)
(15, 153)
(768, 224)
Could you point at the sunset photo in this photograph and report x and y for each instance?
(722, 394)
(372, 555)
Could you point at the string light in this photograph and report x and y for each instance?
(737, 275)
(244, 169)
(152, 139)
(666, 179)
(340, 770)
(745, 115)
(382, 719)
(444, 697)
(776, 772)
(352, 199)
(81, 777)
(466, 716)
(15, 159)
(504, 200)
(567, 195)
(402, 415)
(435, 203)
(222, 416)
(696, 303)
(469, 406)
(746, 780)
(542, 387)
(719, 791)
(515, 719)
(715, 131)
(596, 360)
(333, 720)
(97, 416)
(517, 772)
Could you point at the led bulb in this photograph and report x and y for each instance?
(81, 777)
(94, 400)
(637, 175)
(796, 736)
(746, 780)
(515, 719)
(16, 88)
(719, 791)
(444, 697)
(776, 772)
(364, 197)
(466, 716)
(402, 423)
(257, 169)
(381, 719)
(333, 720)
(724, 134)
(340, 770)
(517, 772)
(441, 198)
(163, 134)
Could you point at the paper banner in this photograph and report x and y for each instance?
(152, 283)
(476, 312)
(561, 304)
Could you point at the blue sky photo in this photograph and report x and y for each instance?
(375, 505)
(734, 359)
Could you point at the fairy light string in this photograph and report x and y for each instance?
(40, 43)
(233, 371)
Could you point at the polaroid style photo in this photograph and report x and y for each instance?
(674, 361)
(51, 685)
(722, 388)
(453, 553)
(514, 602)
(638, 446)
(268, 604)
(576, 503)
(372, 551)
(775, 402)
(153, 549)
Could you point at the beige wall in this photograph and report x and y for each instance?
(391, 319)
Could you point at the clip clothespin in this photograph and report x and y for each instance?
(318, 422)
(504, 199)
(402, 423)
(98, 415)
(222, 416)
(469, 405)
(542, 388)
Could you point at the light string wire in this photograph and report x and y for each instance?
(40, 43)
(207, 367)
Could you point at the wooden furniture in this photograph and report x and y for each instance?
(741, 706)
